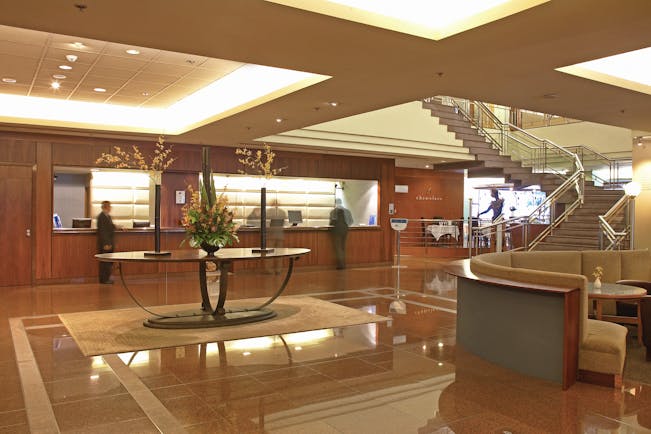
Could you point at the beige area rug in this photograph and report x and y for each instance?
(121, 330)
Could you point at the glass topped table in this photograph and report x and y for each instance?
(206, 315)
(617, 292)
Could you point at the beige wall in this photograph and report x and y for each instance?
(405, 130)
(642, 174)
(608, 140)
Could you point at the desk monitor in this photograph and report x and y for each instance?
(294, 217)
(81, 222)
(141, 223)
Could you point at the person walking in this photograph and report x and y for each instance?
(340, 220)
(496, 205)
(105, 235)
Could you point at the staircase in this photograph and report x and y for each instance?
(489, 161)
(580, 231)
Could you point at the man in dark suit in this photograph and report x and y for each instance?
(105, 231)
(340, 219)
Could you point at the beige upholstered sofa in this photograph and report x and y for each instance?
(602, 345)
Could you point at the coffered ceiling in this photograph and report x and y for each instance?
(510, 61)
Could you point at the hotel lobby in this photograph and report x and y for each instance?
(344, 105)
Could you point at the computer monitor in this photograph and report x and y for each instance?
(81, 222)
(294, 217)
(141, 223)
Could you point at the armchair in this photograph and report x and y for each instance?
(645, 312)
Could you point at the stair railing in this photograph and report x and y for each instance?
(542, 156)
(500, 233)
(574, 184)
(620, 215)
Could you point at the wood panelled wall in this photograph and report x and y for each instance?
(430, 194)
(43, 152)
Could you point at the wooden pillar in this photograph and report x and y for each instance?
(42, 211)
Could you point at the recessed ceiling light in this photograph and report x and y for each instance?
(8, 80)
(133, 51)
(65, 67)
(279, 120)
(443, 161)
(55, 85)
(427, 166)
(78, 44)
(71, 58)
(145, 94)
(333, 103)
(99, 89)
(59, 76)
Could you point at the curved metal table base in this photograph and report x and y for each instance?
(207, 316)
(201, 319)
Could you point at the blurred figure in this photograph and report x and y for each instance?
(496, 205)
(340, 220)
(105, 233)
(275, 235)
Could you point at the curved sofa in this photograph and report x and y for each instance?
(529, 311)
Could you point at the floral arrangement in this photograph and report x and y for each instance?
(598, 272)
(134, 159)
(259, 162)
(207, 220)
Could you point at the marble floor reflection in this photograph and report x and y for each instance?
(405, 375)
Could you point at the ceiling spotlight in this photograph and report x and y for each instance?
(65, 67)
(443, 161)
(639, 143)
(133, 51)
(99, 89)
(55, 85)
(59, 76)
(279, 120)
(71, 58)
(78, 45)
(145, 94)
(333, 103)
(8, 80)
(427, 166)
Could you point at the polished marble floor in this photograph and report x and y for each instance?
(406, 375)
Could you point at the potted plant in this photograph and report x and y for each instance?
(207, 220)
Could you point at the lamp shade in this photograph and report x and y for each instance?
(633, 189)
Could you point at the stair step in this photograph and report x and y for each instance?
(580, 232)
(444, 115)
(439, 107)
(502, 162)
(560, 247)
(470, 136)
(454, 122)
(464, 129)
(575, 241)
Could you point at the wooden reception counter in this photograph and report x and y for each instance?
(73, 249)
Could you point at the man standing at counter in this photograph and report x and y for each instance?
(340, 220)
(105, 232)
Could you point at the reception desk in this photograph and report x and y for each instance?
(73, 249)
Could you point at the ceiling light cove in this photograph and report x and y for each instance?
(425, 18)
(627, 70)
(246, 87)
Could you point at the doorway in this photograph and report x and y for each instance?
(16, 225)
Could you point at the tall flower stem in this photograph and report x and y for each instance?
(263, 219)
(157, 219)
